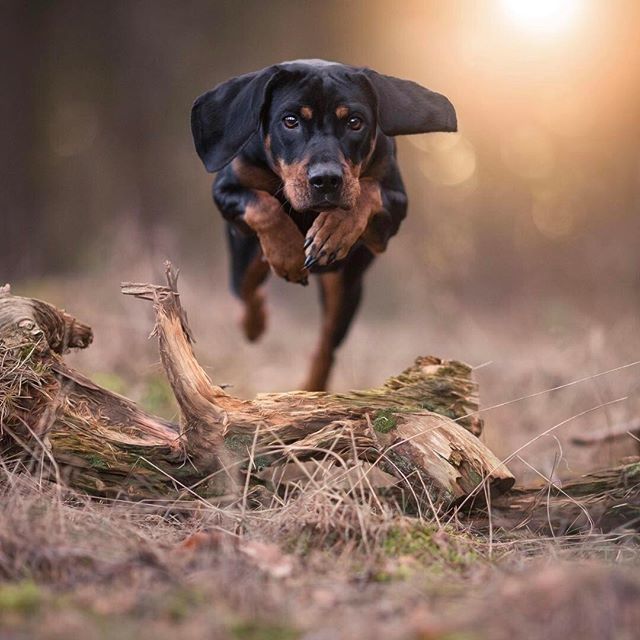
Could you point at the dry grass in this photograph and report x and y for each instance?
(325, 563)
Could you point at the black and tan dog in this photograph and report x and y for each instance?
(308, 179)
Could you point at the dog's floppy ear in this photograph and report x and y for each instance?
(405, 107)
(224, 119)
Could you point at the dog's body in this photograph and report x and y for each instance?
(308, 179)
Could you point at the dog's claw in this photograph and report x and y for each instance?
(310, 261)
(308, 241)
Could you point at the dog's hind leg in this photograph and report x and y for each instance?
(340, 294)
(249, 270)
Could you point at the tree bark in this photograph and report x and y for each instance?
(419, 426)
(605, 501)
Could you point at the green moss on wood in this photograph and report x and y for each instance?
(384, 421)
(97, 462)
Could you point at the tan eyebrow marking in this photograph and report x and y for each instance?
(306, 113)
(342, 111)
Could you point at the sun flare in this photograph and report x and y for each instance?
(543, 16)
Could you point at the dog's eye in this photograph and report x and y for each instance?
(291, 122)
(355, 123)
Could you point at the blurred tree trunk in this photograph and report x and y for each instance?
(23, 28)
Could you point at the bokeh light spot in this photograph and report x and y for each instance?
(552, 215)
(543, 16)
(434, 141)
(528, 152)
(449, 159)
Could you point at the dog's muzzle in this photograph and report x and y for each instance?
(326, 181)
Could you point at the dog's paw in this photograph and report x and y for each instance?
(282, 246)
(290, 267)
(331, 237)
(254, 317)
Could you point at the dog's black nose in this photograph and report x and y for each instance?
(326, 177)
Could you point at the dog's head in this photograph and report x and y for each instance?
(318, 122)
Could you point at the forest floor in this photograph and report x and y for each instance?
(323, 565)
(326, 563)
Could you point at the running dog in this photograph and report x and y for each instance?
(308, 180)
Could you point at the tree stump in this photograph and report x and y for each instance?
(420, 426)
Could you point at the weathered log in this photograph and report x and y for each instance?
(604, 501)
(420, 426)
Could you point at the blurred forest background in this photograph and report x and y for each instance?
(520, 252)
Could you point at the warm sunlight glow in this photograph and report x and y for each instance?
(542, 15)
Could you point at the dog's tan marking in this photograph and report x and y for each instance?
(342, 112)
(254, 319)
(376, 235)
(354, 168)
(377, 168)
(280, 238)
(350, 183)
(306, 112)
(296, 183)
(253, 177)
(370, 195)
(333, 299)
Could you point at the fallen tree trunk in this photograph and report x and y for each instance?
(605, 501)
(420, 426)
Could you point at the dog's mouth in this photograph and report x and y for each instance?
(326, 204)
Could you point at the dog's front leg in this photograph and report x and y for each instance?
(334, 232)
(280, 239)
